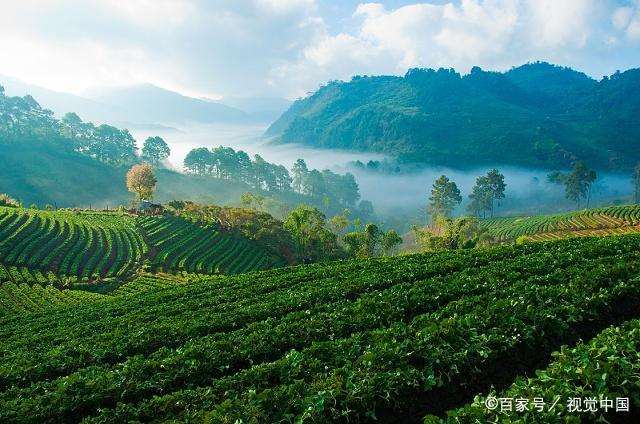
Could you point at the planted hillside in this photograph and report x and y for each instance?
(534, 115)
(67, 244)
(390, 339)
(590, 222)
(180, 245)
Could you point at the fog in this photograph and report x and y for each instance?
(181, 140)
(397, 198)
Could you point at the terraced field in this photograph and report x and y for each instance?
(82, 245)
(393, 339)
(179, 245)
(591, 222)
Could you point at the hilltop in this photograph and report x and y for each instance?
(537, 114)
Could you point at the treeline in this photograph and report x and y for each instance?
(22, 118)
(323, 187)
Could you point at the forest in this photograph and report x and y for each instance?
(537, 114)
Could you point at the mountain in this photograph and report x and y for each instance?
(61, 103)
(149, 103)
(262, 109)
(537, 114)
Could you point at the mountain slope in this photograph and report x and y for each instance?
(61, 103)
(535, 115)
(148, 103)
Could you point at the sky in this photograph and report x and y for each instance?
(288, 48)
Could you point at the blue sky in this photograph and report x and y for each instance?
(217, 48)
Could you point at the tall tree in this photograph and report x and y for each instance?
(445, 196)
(299, 170)
(155, 150)
(497, 187)
(141, 181)
(313, 240)
(199, 161)
(480, 197)
(635, 179)
(390, 240)
(577, 183)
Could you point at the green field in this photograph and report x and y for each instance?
(392, 338)
(64, 248)
(590, 222)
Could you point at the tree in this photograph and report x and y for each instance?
(299, 170)
(141, 181)
(487, 189)
(445, 195)
(636, 183)
(155, 150)
(314, 241)
(372, 236)
(340, 222)
(497, 186)
(390, 240)
(480, 197)
(577, 183)
(199, 161)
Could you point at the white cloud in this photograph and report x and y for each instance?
(287, 47)
(494, 34)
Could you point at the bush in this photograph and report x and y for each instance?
(6, 200)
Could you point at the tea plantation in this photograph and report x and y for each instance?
(400, 339)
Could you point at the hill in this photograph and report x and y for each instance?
(148, 103)
(390, 339)
(61, 103)
(537, 115)
(589, 222)
(69, 247)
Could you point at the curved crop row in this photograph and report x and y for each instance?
(598, 219)
(86, 245)
(180, 245)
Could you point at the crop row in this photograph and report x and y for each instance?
(607, 218)
(323, 343)
(183, 246)
(23, 297)
(74, 244)
(599, 372)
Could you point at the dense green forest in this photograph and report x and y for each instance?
(535, 115)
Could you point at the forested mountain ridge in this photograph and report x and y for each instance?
(535, 115)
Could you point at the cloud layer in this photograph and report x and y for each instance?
(288, 47)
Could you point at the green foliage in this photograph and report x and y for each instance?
(607, 367)
(635, 180)
(346, 341)
(536, 115)
(449, 234)
(314, 241)
(8, 201)
(155, 150)
(577, 183)
(445, 195)
(260, 227)
(487, 189)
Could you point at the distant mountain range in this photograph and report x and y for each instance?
(149, 106)
(537, 114)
